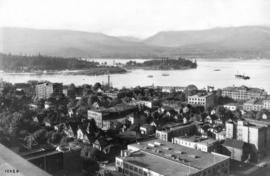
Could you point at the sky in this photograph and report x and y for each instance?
(139, 18)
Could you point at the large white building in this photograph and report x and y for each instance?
(206, 100)
(45, 90)
(160, 158)
(243, 93)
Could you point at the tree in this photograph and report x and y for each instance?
(15, 123)
(221, 113)
(30, 140)
(40, 136)
(55, 138)
(71, 92)
(97, 86)
(237, 114)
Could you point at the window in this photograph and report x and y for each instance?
(135, 169)
(140, 171)
(126, 171)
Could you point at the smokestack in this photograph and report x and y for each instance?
(109, 80)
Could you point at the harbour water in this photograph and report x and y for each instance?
(218, 73)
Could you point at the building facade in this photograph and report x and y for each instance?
(196, 142)
(169, 131)
(206, 100)
(45, 90)
(243, 93)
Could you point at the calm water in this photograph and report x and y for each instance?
(258, 70)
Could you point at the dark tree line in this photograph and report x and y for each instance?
(165, 63)
(41, 62)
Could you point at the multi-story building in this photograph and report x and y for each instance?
(196, 142)
(253, 105)
(230, 129)
(202, 99)
(160, 158)
(108, 118)
(266, 103)
(45, 90)
(243, 93)
(168, 131)
(254, 132)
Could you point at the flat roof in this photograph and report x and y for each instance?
(198, 139)
(159, 164)
(184, 157)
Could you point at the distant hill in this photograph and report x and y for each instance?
(129, 38)
(248, 41)
(240, 37)
(233, 41)
(70, 44)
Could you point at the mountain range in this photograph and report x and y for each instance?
(244, 42)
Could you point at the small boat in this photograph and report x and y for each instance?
(242, 76)
(165, 74)
(150, 76)
(216, 69)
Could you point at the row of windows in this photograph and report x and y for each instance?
(201, 103)
(132, 170)
(196, 99)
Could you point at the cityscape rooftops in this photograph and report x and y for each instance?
(168, 154)
(172, 126)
